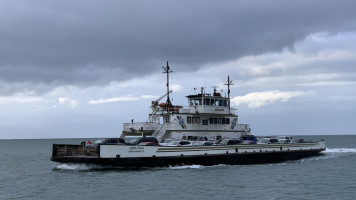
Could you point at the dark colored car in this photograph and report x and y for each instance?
(273, 141)
(145, 139)
(248, 139)
(110, 141)
(228, 142)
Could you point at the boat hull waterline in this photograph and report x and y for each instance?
(151, 156)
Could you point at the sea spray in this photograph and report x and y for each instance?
(76, 167)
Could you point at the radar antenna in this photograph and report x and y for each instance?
(167, 70)
(228, 89)
(202, 91)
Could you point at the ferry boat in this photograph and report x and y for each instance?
(208, 117)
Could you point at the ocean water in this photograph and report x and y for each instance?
(26, 172)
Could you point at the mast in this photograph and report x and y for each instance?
(167, 70)
(228, 89)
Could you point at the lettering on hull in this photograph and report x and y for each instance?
(136, 149)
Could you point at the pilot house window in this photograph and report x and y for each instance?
(205, 122)
(207, 102)
(193, 120)
(189, 120)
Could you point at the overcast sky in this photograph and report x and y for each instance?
(82, 68)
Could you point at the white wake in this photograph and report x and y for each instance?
(187, 167)
(341, 150)
(331, 153)
(76, 167)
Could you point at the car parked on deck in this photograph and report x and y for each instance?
(176, 143)
(120, 141)
(203, 143)
(284, 139)
(165, 142)
(137, 141)
(227, 142)
(267, 141)
(148, 144)
(248, 139)
(297, 140)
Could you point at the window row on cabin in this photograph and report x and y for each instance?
(209, 102)
(218, 120)
(193, 120)
(212, 120)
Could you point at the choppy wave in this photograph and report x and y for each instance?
(92, 167)
(194, 166)
(330, 154)
(187, 167)
(77, 167)
(338, 152)
(341, 150)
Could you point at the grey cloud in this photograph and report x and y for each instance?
(94, 42)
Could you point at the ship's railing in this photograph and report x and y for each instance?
(132, 127)
(157, 130)
(73, 150)
(160, 131)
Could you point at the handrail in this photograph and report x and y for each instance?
(157, 130)
(162, 131)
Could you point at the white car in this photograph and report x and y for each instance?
(165, 142)
(202, 143)
(284, 139)
(267, 141)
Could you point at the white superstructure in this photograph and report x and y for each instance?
(208, 116)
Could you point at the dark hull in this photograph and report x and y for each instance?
(206, 160)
